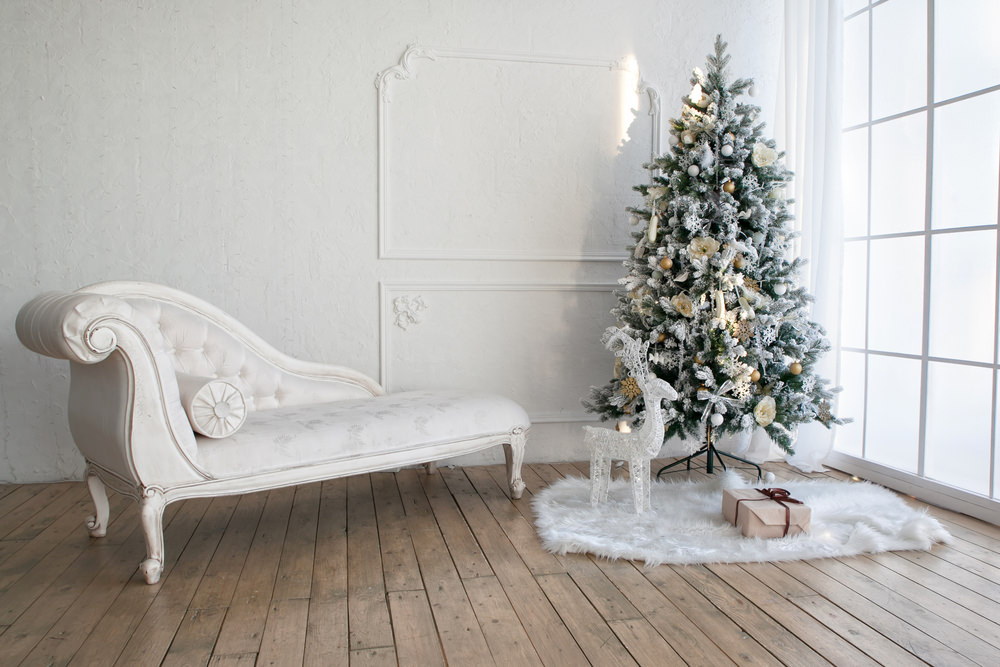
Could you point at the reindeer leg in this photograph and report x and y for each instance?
(595, 474)
(605, 465)
(635, 481)
(640, 484)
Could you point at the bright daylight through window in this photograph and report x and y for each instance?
(921, 147)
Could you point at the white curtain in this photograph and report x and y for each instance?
(808, 129)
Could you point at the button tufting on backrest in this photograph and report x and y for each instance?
(198, 345)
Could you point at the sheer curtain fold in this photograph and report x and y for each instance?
(808, 129)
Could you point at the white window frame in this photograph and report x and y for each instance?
(938, 493)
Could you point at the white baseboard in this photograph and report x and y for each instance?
(934, 493)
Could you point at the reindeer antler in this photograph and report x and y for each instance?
(632, 352)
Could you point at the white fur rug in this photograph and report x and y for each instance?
(686, 525)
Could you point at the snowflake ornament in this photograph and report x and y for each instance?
(743, 330)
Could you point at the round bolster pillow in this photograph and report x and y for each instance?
(215, 407)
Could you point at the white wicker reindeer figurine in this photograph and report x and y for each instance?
(639, 447)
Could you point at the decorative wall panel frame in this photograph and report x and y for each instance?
(405, 70)
(391, 294)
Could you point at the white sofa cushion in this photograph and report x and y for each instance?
(292, 437)
(216, 408)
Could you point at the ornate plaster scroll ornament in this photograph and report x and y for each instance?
(408, 310)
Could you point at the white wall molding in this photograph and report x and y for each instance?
(391, 291)
(653, 95)
(406, 70)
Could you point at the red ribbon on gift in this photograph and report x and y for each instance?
(780, 496)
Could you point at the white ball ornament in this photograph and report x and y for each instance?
(687, 138)
(758, 238)
(717, 419)
(780, 288)
(673, 221)
(726, 150)
(693, 170)
(673, 140)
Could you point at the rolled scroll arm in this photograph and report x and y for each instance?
(70, 325)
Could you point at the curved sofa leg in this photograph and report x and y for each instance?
(98, 523)
(151, 514)
(514, 453)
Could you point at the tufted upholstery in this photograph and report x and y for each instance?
(198, 346)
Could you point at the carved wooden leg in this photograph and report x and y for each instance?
(431, 467)
(97, 524)
(514, 453)
(151, 515)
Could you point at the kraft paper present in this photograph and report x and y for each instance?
(763, 514)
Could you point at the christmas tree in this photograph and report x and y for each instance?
(709, 282)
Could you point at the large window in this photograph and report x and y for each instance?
(919, 357)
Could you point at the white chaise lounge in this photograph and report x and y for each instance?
(151, 365)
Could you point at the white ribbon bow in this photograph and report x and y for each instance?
(718, 400)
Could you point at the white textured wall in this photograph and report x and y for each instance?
(229, 149)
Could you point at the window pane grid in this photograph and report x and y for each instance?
(939, 286)
(911, 112)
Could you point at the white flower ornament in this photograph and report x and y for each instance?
(765, 411)
(763, 155)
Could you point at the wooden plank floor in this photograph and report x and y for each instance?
(405, 568)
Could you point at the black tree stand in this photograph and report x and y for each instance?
(711, 453)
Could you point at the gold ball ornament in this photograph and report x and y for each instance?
(755, 376)
(738, 262)
(795, 368)
(666, 263)
(662, 337)
(729, 187)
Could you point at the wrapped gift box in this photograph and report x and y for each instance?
(765, 512)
